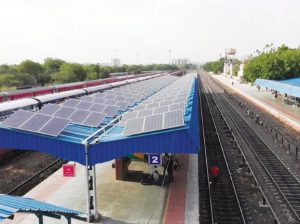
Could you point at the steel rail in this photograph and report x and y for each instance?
(247, 162)
(233, 209)
(18, 187)
(263, 161)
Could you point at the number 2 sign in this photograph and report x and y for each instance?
(154, 159)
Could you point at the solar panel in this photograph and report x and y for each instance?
(140, 107)
(152, 105)
(97, 107)
(49, 109)
(71, 103)
(147, 112)
(94, 119)
(54, 127)
(134, 126)
(122, 105)
(173, 119)
(79, 116)
(110, 102)
(153, 123)
(17, 119)
(99, 100)
(148, 101)
(169, 98)
(156, 98)
(138, 97)
(120, 98)
(64, 112)
(99, 95)
(84, 105)
(110, 96)
(129, 115)
(180, 100)
(172, 94)
(110, 111)
(128, 95)
(160, 110)
(87, 98)
(167, 102)
(177, 106)
(130, 100)
(182, 95)
(35, 122)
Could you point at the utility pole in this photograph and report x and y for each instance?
(169, 57)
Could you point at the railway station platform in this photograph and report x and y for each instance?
(286, 113)
(122, 202)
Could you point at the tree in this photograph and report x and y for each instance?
(4, 69)
(25, 79)
(93, 71)
(277, 64)
(7, 80)
(105, 71)
(52, 65)
(214, 66)
(32, 68)
(70, 72)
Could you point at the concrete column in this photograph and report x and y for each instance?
(121, 166)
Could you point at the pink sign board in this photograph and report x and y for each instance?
(69, 170)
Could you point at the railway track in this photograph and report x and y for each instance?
(204, 190)
(279, 184)
(37, 178)
(223, 199)
(284, 136)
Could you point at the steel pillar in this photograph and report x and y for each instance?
(91, 193)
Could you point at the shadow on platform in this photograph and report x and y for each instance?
(108, 220)
(145, 178)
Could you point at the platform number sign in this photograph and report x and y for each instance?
(154, 159)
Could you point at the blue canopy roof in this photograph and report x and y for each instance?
(283, 87)
(110, 144)
(12, 204)
(293, 81)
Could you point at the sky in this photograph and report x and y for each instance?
(143, 31)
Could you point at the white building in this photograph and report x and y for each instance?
(115, 62)
(181, 61)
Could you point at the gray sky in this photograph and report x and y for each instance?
(89, 31)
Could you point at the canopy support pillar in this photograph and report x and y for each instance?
(91, 192)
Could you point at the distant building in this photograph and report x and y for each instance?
(181, 61)
(115, 62)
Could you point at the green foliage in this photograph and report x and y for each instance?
(105, 71)
(92, 76)
(70, 72)
(92, 70)
(214, 66)
(4, 69)
(276, 64)
(25, 79)
(52, 65)
(7, 80)
(56, 70)
(32, 68)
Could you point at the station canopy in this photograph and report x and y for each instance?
(9, 205)
(293, 81)
(152, 116)
(290, 87)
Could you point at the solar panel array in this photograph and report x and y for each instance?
(163, 110)
(36, 122)
(88, 110)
